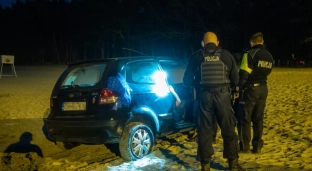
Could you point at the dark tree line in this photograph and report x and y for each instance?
(61, 31)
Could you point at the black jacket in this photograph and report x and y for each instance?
(192, 72)
(256, 65)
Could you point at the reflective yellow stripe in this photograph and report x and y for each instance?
(244, 64)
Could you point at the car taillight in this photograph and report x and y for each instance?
(51, 101)
(108, 96)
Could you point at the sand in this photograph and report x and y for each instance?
(24, 102)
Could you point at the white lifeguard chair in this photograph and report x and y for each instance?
(9, 60)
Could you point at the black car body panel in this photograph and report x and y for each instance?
(77, 115)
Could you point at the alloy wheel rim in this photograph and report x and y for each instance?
(140, 143)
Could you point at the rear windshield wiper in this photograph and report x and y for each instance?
(86, 85)
(70, 86)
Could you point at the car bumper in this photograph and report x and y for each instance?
(83, 131)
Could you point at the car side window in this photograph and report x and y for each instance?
(141, 72)
(175, 71)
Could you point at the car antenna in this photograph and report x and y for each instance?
(135, 51)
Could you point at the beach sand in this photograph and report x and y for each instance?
(24, 102)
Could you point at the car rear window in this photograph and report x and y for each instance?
(141, 72)
(84, 76)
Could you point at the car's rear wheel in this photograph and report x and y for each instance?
(137, 141)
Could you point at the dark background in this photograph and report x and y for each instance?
(62, 31)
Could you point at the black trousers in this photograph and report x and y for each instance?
(197, 119)
(215, 104)
(251, 110)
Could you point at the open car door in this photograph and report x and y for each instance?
(184, 113)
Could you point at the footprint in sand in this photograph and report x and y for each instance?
(307, 153)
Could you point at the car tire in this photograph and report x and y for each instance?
(66, 145)
(137, 141)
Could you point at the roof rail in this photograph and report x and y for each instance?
(91, 61)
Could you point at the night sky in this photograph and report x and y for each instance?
(6, 3)
(62, 31)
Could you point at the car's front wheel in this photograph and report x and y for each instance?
(137, 141)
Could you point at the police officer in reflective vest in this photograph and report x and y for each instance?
(256, 65)
(218, 72)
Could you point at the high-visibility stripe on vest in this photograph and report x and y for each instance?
(244, 64)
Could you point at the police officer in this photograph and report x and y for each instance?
(255, 67)
(218, 72)
(196, 99)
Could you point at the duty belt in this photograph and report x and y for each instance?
(220, 89)
(254, 85)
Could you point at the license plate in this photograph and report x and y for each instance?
(74, 106)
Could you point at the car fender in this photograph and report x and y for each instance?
(144, 110)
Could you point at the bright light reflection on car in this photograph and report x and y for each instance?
(160, 88)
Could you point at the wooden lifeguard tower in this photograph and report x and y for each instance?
(8, 60)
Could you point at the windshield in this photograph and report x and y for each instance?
(84, 76)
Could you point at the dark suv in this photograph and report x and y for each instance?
(130, 101)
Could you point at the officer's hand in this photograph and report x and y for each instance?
(242, 91)
(178, 103)
(236, 95)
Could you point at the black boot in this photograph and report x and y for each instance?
(214, 140)
(234, 166)
(256, 150)
(257, 147)
(244, 148)
(205, 167)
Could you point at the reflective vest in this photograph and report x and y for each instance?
(213, 70)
